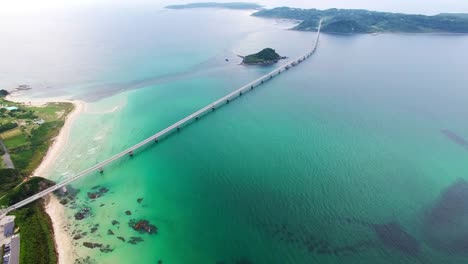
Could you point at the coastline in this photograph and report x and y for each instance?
(55, 210)
(63, 241)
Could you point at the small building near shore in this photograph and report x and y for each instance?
(39, 121)
(7, 224)
(9, 108)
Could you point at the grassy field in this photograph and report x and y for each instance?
(27, 141)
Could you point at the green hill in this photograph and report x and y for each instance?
(364, 21)
(266, 56)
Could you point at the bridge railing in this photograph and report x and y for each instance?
(156, 137)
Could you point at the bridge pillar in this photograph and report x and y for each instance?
(261, 82)
(178, 128)
(251, 87)
(240, 94)
(213, 108)
(156, 140)
(227, 101)
(271, 76)
(196, 118)
(101, 170)
(130, 153)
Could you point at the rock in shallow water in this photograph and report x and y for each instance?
(143, 226)
(135, 240)
(92, 245)
(83, 213)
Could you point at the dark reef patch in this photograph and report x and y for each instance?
(446, 223)
(143, 226)
(98, 193)
(456, 138)
(394, 236)
(83, 213)
(135, 240)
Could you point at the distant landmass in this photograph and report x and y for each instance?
(364, 21)
(233, 5)
(265, 57)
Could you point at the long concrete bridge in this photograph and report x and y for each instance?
(175, 127)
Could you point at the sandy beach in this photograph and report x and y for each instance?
(63, 241)
(54, 209)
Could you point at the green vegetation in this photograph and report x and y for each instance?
(25, 190)
(37, 239)
(27, 141)
(9, 179)
(266, 56)
(37, 242)
(7, 126)
(364, 21)
(234, 5)
(3, 93)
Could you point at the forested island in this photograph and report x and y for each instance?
(265, 57)
(233, 5)
(364, 21)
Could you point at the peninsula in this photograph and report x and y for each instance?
(27, 135)
(233, 5)
(265, 57)
(363, 21)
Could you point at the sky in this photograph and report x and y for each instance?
(405, 6)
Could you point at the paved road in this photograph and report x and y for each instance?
(6, 157)
(176, 126)
(15, 250)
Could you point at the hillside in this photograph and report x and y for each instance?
(364, 21)
(266, 56)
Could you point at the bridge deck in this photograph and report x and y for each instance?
(177, 125)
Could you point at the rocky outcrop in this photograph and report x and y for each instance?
(143, 226)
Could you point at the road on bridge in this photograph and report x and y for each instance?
(176, 126)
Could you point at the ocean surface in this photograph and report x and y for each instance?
(341, 160)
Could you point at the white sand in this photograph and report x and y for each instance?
(63, 241)
(61, 140)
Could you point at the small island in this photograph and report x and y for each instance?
(233, 5)
(265, 57)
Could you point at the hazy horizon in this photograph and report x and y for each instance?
(428, 7)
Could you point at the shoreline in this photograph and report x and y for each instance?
(55, 210)
(63, 241)
(61, 140)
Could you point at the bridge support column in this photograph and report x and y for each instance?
(101, 170)
(156, 140)
(240, 94)
(227, 101)
(178, 128)
(196, 118)
(213, 108)
(130, 153)
(251, 87)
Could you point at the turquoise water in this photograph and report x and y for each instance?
(353, 133)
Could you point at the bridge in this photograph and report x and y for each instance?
(174, 127)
